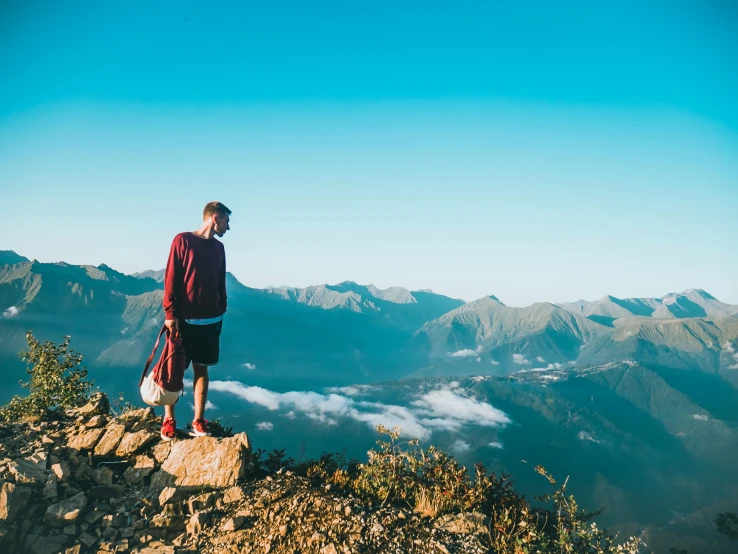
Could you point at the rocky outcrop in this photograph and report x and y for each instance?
(221, 463)
(92, 482)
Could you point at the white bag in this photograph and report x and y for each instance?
(154, 395)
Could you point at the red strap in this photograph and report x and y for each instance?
(148, 362)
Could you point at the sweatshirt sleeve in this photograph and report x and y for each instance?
(222, 286)
(173, 279)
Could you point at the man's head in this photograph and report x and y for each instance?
(219, 215)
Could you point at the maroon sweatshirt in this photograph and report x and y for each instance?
(194, 281)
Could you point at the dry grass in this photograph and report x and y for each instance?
(427, 504)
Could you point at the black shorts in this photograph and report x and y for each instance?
(201, 342)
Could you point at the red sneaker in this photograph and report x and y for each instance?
(168, 429)
(200, 428)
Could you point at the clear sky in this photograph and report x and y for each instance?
(535, 151)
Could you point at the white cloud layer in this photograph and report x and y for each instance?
(249, 366)
(700, 417)
(448, 403)
(466, 353)
(539, 359)
(520, 359)
(445, 409)
(495, 444)
(10, 312)
(265, 426)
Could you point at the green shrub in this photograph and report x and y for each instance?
(432, 483)
(57, 381)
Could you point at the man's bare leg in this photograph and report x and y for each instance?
(169, 411)
(200, 384)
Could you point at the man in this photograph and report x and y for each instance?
(194, 304)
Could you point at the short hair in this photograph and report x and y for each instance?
(212, 208)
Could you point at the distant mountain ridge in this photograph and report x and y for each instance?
(685, 304)
(359, 333)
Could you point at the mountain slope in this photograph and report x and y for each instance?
(509, 338)
(8, 257)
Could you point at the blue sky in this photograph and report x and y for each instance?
(536, 152)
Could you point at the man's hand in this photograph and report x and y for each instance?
(173, 326)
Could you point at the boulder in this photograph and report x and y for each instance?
(235, 523)
(61, 470)
(103, 476)
(97, 421)
(86, 440)
(13, 501)
(172, 495)
(142, 467)
(109, 442)
(51, 544)
(219, 463)
(97, 405)
(161, 451)
(132, 442)
(50, 489)
(30, 471)
(65, 512)
(142, 414)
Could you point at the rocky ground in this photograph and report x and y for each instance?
(91, 482)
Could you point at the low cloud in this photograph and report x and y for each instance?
(728, 347)
(460, 447)
(495, 444)
(466, 353)
(451, 404)
(549, 367)
(352, 390)
(448, 408)
(539, 359)
(494, 362)
(700, 417)
(584, 436)
(10, 312)
(247, 365)
(208, 405)
(520, 359)
(265, 426)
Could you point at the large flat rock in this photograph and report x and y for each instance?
(205, 462)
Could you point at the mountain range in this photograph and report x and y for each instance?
(352, 333)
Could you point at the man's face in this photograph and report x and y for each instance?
(221, 224)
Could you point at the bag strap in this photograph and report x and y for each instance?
(148, 362)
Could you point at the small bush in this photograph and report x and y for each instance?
(432, 483)
(58, 381)
(120, 406)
